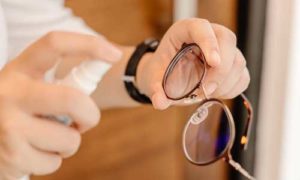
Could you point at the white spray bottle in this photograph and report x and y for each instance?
(84, 77)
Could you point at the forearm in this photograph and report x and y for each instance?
(111, 91)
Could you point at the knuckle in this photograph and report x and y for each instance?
(52, 38)
(196, 22)
(203, 21)
(241, 86)
(227, 34)
(246, 78)
(240, 62)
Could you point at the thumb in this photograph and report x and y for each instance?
(159, 99)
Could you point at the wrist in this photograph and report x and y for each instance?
(136, 82)
(141, 76)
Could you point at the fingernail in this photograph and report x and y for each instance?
(210, 88)
(215, 58)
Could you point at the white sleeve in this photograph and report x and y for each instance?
(28, 20)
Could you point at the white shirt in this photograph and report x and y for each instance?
(24, 21)
(27, 20)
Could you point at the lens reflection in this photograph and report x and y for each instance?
(185, 74)
(207, 133)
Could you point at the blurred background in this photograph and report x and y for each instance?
(141, 143)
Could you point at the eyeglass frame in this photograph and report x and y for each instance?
(246, 102)
(226, 154)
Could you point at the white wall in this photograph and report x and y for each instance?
(185, 9)
(279, 113)
(290, 155)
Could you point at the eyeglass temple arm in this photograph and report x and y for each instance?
(239, 168)
(246, 133)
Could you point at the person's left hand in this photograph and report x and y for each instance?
(227, 76)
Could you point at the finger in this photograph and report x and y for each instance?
(25, 160)
(17, 155)
(40, 163)
(32, 161)
(159, 99)
(201, 32)
(12, 156)
(43, 54)
(216, 75)
(236, 71)
(240, 86)
(51, 136)
(49, 99)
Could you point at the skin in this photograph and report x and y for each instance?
(226, 78)
(30, 144)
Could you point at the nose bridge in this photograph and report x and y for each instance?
(201, 92)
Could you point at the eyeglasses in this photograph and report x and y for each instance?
(210, 132)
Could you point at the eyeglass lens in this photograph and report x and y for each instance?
(207, 133)
(207, 136)
(185, 73)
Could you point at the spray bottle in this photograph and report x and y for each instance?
(84, 77)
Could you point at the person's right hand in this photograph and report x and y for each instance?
(227, 75)
(30, 144)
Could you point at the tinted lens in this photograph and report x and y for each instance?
(184, 73)
(207, 133)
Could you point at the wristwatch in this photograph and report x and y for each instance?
(129, 78)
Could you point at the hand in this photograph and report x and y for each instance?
(227, 76)
(30, 144)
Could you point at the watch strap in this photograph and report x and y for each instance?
(129, 78)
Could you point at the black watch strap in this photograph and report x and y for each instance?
(130, 72)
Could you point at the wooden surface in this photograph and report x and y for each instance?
(219, 11)
(125, 21)
(127, 144)
(138, 143)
